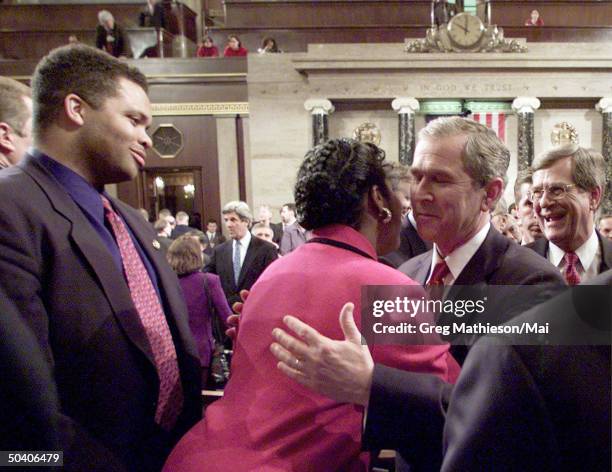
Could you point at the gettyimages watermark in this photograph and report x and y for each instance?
(411, 315)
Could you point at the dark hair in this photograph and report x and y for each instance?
(265, 41)
(85, 71)
(207, 38)
(290, 207)
(212, 220)
(524, 176)
(333, 179)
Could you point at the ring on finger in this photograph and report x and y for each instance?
(297, 364)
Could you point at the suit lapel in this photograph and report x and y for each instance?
(485, 261)
(422, 270)
(228, 261)
(88, 242)
(248, 259)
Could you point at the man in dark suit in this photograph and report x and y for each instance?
(213, 236)
(110, 37)
(182, 225)
(514, 407)
(458, 175)
(85, 273)
(240, 260)
(568, 188)
(411, 244)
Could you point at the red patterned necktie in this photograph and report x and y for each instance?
(148, 306)
(440, 271)
(570, 271)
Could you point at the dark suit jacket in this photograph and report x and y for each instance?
(180, 230)
(411, 245)
(216, 240)
(258, 256)
(400, 398)
(119, 46)
(56, 268)
(544, 408)
(540, 246)
(29, 405)
(277, 228)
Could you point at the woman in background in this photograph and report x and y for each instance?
(268, 46)
(203, 295)
(265, 421)
(207, 48)
(234, 47)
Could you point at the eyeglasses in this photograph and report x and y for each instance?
(554, 191)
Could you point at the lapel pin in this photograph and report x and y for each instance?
(156, 244)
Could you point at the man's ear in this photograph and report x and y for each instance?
(6, 141)
(595, 197)
(75, 109)
(493, 192)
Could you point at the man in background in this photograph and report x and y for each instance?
(293, 234)
(567, 190)
(240, 261)
(182, 225)
(15, 121)
(110, 36)
(605, 225)
(528, 223)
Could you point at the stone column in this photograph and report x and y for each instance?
(525, 108)
(605, 107)
(406, 108)
(320, 108)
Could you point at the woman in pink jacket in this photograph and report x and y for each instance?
(266, 421)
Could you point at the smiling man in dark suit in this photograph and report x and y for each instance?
(568, 188)
(240, 260)
(86, 274)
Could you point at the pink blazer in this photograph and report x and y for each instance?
(268, 422)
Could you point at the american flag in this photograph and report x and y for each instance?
(495, 120)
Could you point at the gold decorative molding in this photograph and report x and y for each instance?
(177, 109)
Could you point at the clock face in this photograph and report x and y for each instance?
(167, 141)
(465, 30)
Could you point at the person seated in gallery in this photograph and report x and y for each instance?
(265, 421)
(207, 48)
(110, 36)
(234, 47)
(269, 46)
(534, 19)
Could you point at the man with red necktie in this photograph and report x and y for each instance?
(87, 273)
(568, 188)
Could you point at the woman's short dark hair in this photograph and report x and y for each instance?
(185, 255)
(333, 179)
(233, 36)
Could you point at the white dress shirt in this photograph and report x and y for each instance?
(244, 246)
(589, 255)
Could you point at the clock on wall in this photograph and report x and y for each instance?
(167, 141)
(465, 31)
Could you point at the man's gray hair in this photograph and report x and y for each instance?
(588, 166)
(105, 15)
(240, 208)
(182, 218)
(484, 156)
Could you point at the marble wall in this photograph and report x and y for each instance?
(281, 128)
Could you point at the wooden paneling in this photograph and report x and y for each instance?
(297, 39)
(199, 152)
(553, 12)
(35, 44)
(289, 14)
